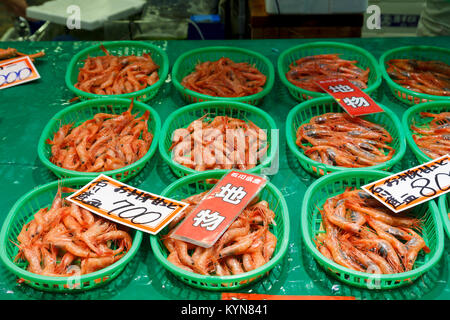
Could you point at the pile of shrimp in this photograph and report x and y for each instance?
(225, 78)
(363, 235)
(433, 138)
(337, 139)
(246, 245)
(430, 77)
(67, 240)
(13, 53)
(106, 142)
(305, 71)
(109, 75)
(221, 142)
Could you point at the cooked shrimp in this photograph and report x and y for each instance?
(244, 246)
(67, 233)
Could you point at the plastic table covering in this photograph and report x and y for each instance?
(26, 109)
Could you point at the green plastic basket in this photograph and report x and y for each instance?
(407, 96)
(185, 64)
(444, 208)
(182, 117)
(119, 48)
(304, 111)
(22, 212)
(336, 183)
(347, 51)
(412, 116)
(196, 183)
(85, 110)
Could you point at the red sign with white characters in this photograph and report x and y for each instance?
(350, 97)
(220, 207)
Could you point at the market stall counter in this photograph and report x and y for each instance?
(26, 109)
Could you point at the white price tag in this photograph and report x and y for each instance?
(127, 205)
(411, 187)
(17, 71)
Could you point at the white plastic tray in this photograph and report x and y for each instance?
(93, 13)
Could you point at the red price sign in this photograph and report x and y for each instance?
(217, 211)
(350, 97)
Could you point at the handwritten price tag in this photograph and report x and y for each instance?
(17, 71)
(126, 205)
(411, 187)
(221, 206)
(354, 101)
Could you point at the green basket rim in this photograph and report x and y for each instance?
(46, 133)
(443, 209)
(377, 174)
(270, 77)
(72, 68)
(200, 105)
(371, 88)
(57, 280)
(406, 122)
(302, 158)
(276, 259)
(395, 86)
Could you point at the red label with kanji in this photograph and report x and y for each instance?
(219, 208)
(350, 97)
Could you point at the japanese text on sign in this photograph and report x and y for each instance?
(215, 213)
(413, 186)
(17, 71)
(350, 97)
(124, 204)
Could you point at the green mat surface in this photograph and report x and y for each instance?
(26, 109)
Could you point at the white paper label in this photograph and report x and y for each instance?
(411, 187)
(127, 205)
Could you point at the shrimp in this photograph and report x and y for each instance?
(203, 264)
(333, 244)
(385, 217)
(337, 216)
(105, 142)
(234, 265)
(225, 78)
(173, 258)
(432, 77)
(270, 244)
(93, 264)
(222, 270)
(304, 72)
(344, 141)
(95, 233)
(241, 245)
(221, 142)
(117, 74)
(371, 266)
(181, 249)
(383, 248)
(384, 266)
(413, 246)
(121, 235)
(389, 234)
(63, 234)
(244, 246)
